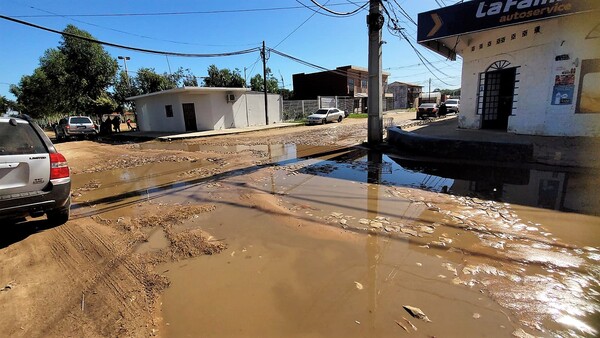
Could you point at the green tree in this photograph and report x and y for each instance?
(70, 79)
(6, 105)
(104, 104)
(257, 83)
(149, 81)
(224, 78)
(89, 69)
(184, 78)
(123, 88)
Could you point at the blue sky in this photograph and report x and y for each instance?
(238, 24)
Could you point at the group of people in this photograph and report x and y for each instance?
(109, 125)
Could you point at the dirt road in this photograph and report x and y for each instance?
(256, 235)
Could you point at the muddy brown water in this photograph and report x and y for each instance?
(485, 253)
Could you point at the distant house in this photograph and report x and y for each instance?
(346, 81)
(405, 95)
(204, 108)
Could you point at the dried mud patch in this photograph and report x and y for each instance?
(130, 161)
(183, 244)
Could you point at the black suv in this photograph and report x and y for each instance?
(34, 177)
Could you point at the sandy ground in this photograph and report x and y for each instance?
(103, 272)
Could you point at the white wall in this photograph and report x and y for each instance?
(152, 115)
(213, 112)
(535, 55)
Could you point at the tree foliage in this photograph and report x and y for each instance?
(6, 105)
(257, 83)
(147, 81)
(450, 92)
(69, 80)
(224, 78)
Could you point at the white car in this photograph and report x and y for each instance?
(453, 106)
(325, 115)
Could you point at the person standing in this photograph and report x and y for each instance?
(116, 121)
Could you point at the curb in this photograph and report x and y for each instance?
(459, 149)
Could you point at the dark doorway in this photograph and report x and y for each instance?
(498, 98)
(189, 117)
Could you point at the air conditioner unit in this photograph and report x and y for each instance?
(230, 97)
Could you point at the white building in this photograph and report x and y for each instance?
(529, 66)
(205, 108)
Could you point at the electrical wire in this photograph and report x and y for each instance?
(142, 50)
(226, 11)
(339, 13)
(124, 32)
(302, 24)
(306, 63)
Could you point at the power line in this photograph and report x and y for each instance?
(124, 32)
(224, 11)
(399, 30)
(306, 63)
(143, 50)
(294, 31)
(339, 13)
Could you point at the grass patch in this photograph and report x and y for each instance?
(358, 116)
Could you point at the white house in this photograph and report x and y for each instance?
(529, 66)
(205, 108)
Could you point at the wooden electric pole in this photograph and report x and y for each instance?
(263, 54)
(375, 122)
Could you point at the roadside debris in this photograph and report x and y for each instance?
(416, 312)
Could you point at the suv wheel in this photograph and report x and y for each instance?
(58, 217)
(340, 119)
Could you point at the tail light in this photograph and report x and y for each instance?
(58, 166)
(67, 127)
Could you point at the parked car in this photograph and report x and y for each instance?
(428, 110)
(325, 115)
(453, 105)
(80, 126)
(34, 177)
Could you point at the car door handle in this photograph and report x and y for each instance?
(8, 165)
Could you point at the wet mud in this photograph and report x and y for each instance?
(316, 241)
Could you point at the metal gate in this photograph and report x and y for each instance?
(498, 98)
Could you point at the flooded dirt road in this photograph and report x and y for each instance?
(300, 233)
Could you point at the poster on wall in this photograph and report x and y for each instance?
(564, 81)
(588, 99)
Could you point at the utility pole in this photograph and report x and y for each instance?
(429, 98)
(263, 54)
(375, 122)
(125, 58)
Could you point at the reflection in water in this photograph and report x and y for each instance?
(556, 188)
(548, 189)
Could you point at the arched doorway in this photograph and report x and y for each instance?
(498, 95)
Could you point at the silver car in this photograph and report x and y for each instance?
(325, 115)
(34, 177)
(80, 126)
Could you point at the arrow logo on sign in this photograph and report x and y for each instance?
(438, 23)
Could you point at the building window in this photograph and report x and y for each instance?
(169, 110)
(363, 83)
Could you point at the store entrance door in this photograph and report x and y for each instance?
(498, 98)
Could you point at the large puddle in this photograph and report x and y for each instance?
(334, 241)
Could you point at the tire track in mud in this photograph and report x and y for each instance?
(107, 284)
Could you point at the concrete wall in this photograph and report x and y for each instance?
(400, 92)
(534, 55)
(213, 112)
